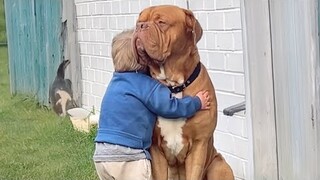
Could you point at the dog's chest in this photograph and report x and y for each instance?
(171, 130)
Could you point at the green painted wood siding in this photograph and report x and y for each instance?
(34, 45)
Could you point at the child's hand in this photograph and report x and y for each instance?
(204, 98)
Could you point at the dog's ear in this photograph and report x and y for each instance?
(193, 25)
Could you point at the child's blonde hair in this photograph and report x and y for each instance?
(122, 53)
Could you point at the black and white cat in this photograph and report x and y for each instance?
(61, 94)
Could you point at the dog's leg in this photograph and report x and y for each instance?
(173, 173)
(172, 165)
(159, 164)
(195, 161)
(219, 169)
(182, 171)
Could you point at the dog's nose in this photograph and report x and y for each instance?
(142, 25)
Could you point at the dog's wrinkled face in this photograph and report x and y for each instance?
(164, 32)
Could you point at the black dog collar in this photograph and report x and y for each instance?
(192, 77)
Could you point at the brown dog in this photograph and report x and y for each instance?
(165, 39)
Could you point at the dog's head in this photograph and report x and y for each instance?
(165, 33)
(166, 36)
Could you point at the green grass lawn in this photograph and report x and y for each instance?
(3, 38)
(37, 144)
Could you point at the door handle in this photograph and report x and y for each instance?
(229, 111)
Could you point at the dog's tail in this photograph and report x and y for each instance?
(61, 69)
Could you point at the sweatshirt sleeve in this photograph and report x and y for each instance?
(163, 104)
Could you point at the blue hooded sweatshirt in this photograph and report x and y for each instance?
(131, 105)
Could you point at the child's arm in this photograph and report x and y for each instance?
(163, 104)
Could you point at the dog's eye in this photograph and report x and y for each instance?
(163, 25)
(161, 22)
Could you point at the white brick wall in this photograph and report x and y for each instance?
(220, 50)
